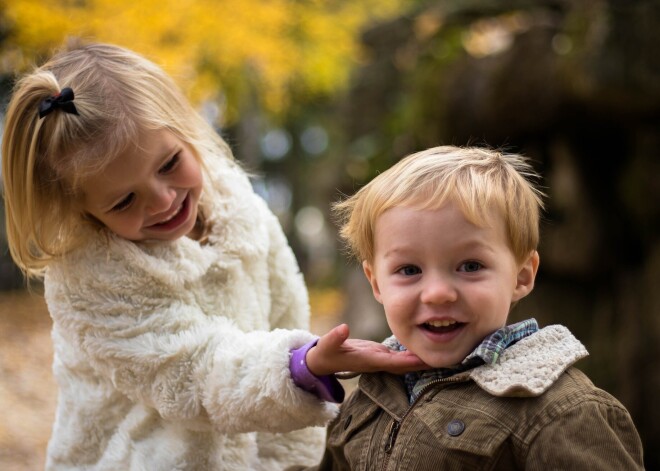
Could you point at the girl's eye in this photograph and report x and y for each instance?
(410, 270)
(125, 203)
(169, 166)
(471, 266)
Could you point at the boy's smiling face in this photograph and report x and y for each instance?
(444, 282)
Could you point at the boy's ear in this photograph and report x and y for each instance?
(526, 276)
(369, 273)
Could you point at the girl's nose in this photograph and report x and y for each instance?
(438, 290)
(160, 199)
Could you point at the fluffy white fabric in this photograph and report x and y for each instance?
(175, 355)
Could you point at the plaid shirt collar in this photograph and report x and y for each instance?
(487, 352)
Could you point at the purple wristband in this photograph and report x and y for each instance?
(325, 387)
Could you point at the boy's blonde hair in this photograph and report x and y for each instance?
(118, 95)
(482, 182)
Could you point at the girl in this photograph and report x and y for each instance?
(174, 296)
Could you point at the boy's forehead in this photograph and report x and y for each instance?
(482, 215)
(406, 229)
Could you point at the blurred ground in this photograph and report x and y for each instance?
(28, 393)
(27, 388)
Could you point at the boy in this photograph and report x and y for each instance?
(447, 238)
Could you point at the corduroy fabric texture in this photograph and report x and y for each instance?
(457, 425)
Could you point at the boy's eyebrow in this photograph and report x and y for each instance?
(478, 243)
(469, 244)
(403, 246)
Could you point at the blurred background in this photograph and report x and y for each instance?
(316, 97)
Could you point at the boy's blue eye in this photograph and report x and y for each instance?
(471, 266)
(410, 270)
(169, 166)
(125, 203)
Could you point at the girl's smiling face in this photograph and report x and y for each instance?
(150, 192)
(444, 282)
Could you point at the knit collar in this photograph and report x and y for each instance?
(487, 352)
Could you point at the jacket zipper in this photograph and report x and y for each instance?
(391, 436)
(396, 425)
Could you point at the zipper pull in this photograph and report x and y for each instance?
(391, 438)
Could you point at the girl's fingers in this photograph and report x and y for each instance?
(341, 332)
(336, 337)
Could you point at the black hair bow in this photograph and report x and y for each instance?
(62, 101)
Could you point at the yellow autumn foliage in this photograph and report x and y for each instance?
(215, 49)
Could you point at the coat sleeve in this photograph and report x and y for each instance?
(593, 434)
(164, 352)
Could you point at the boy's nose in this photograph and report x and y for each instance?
(438, 290)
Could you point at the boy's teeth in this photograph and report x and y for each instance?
(443, 323)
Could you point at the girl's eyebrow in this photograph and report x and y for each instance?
(116, 197)
(167, 153)
(115, 202)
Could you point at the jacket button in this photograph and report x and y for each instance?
(455, 427)
(348, 421)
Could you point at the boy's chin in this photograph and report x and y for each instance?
(441, 361)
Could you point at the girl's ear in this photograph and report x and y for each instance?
(371, 276)
(526, 276)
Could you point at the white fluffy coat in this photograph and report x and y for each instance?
(175, 355)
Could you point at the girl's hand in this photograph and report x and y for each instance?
(335, 353)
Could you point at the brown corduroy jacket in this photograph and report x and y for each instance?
(530, 411)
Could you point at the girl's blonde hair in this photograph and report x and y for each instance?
(482, 182)
(118, 95)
